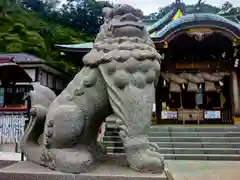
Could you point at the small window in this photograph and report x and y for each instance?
(50, 80)
(59, 84)
(43, 78)
(13, 97)
(1, 97)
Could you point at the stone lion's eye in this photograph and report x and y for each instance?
(119, 12)
(138, 13)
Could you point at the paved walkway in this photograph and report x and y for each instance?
(204, 170)
(181, 170)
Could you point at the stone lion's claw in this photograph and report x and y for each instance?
(154, 147)
(148, 162)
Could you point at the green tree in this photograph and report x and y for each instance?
(82, 15)
(6, 6)
(29, 27)
(226, 6)
(199, 7)
(19, 39)
(85, 15)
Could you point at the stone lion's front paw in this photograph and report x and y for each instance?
(143, 155)
(72, 161)
(146, 161)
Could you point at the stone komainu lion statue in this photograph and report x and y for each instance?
(117, 83)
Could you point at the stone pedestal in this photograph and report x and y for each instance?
(103, 171)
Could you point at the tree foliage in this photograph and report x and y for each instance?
(35, 26)
(226, 6)
(199, 7)
(83, 14)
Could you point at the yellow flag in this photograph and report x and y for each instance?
(177, 15)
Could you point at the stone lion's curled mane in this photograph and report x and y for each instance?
(121, 49)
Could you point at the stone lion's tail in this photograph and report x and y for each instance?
(41, 98)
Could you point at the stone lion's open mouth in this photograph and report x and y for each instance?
(134, 25)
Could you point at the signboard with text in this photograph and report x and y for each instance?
(11, 128)
(212, 114)
(169, 115)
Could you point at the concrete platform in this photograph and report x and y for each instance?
(104, 171)
(204, 170)
(10, 156)
(180, 170)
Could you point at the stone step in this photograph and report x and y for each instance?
(113, 128)
(206, 151)
(184, 134)
(111, 138)
(181, 139)
(186, 143)
(183, 144)
(212, 157)
(194, 139)
(184, 129)
(185, 150)
(204, 144)
(192, 134)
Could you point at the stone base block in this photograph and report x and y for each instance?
(103, 171)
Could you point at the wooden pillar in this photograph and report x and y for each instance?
(235, 92)
(181, 100)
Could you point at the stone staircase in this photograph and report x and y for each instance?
(186, 142)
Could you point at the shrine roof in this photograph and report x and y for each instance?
(83, 46)
(203, 19)
(22, 57)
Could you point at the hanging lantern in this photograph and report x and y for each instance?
(174, 87)
(192, 87)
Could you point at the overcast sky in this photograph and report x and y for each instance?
(150, 6)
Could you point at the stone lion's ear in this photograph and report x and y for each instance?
(107, 13)
(139, 13)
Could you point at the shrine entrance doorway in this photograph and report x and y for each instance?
(195, 85)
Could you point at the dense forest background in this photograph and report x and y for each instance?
(34, 26)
